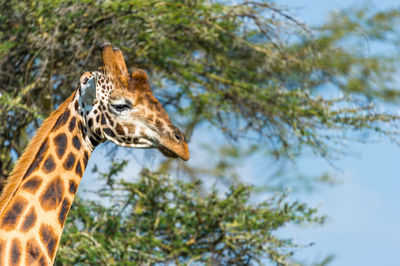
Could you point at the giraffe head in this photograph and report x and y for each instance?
(120, 107)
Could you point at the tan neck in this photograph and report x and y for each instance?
(36, 200)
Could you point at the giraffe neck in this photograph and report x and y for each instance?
(35, 202)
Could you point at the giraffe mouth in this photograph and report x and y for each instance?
(174, 150)
(167, 152)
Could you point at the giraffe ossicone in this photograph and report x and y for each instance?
(108, 104)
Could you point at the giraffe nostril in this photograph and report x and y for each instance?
(178, 137)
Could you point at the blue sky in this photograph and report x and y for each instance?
(364, 218)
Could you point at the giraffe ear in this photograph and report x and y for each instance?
(140, 80)
(88, 89)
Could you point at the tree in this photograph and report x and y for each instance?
(249, 69)
(160, 220)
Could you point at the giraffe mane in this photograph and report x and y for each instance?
(23, 163)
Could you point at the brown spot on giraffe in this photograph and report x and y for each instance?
(48, 238)
(34, 254)
(76, 142)
(72, 187)
(38, 159)
(93, 141)
(32, 184)
(62, 120)
(85, 159)
(78, 169)
(120, 130)
(62, 215)
(29, 220)
(109, 132)
(69, 162)
(90, 122)
(159, 124)
(82, 129)
(109, 119)
(98, 132)
(13, 214)
(49, 165)
(72, 124)
(103, 119)
(131, 129)
(15, 252)
(60, 141)
(53, 194)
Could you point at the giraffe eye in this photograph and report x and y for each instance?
(121, 107)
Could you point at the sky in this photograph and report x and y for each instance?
(363, 227)
(364, 219)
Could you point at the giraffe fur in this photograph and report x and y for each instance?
(108, 104)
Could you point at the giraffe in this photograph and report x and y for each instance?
(108, 104)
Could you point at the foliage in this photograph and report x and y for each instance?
(159, 220)
(247, 69)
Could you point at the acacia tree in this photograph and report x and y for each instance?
(247, 69)
(159, 220)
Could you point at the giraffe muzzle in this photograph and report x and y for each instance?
(174, 150)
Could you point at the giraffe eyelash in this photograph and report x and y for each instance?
(121, 107)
